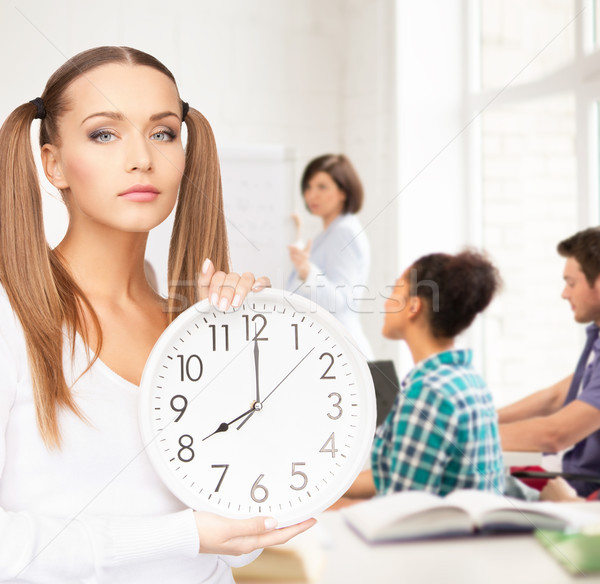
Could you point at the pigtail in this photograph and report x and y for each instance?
(27, 273)
(199, 229)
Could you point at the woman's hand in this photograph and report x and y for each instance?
(234, 537)
(301, 260)
(225, 290)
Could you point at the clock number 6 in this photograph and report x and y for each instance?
(299, 473)
(258, 487)
(185, 453)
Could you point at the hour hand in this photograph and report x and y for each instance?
(224, 426)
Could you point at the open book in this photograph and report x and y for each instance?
(416, 514)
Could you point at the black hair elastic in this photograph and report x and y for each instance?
(41, 110)
(185, 109)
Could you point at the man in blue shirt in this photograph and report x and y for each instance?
(566, 415)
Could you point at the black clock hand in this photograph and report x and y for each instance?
(250, 413)
(256, 366)
(224, 426)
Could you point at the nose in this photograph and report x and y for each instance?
(565, 293)
(139, 154)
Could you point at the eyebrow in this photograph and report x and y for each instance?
(120, 117)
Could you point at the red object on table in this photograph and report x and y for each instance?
(537, 484)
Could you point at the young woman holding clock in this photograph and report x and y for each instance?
(79, 501)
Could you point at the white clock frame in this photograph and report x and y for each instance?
(162, 408)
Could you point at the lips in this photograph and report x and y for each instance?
(140, 193)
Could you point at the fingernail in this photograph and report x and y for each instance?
(236, 300)
(270, 523)
(205, 266)
(223, 304)
(214, 299)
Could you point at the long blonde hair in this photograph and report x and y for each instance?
(41, 290)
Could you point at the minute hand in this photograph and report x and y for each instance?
(256, 368)
(271, 392)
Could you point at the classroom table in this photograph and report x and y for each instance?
(492, 559)
(489, 559)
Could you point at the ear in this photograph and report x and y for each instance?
(52, 166)
(415, 307)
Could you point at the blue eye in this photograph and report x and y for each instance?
(163, 136)
(102, 136)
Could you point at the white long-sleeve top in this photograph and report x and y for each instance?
(93, 511)
(339, 268)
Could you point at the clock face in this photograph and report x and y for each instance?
(267, 409)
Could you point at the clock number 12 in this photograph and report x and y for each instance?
(257, 328)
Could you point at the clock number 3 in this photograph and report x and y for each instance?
(336, 405)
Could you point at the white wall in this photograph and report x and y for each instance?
(431, 201)
(310, 75)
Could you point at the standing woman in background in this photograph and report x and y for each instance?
(79, 499)
(334, 269)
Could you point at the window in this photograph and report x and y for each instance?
(538, 93)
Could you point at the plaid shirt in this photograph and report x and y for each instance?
(442, 433)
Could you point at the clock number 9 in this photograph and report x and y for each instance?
(258, 330)
(299, 473)
(188, 369)
(258, 487)
(181, 409)
(325, 376)
(186, 453)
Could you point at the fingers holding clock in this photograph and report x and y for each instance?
(261, 283)
(225, 290)
(219, 535)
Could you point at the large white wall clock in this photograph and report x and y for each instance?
(264, 410)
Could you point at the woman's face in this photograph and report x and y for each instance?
(119, 160)
(323, 197)
(397, 306)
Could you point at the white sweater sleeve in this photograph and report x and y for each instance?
(43, 548)
(339, 280)
(55, 549)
